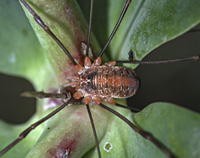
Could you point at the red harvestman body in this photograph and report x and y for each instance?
(96, 82)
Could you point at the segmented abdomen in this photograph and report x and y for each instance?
(107, 81)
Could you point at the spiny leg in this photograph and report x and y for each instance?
(47, 29)
(116, 26)
(145, 135)
(33, 126)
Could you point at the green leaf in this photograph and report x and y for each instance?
(147, 25)
(20, 51)
(67, 22)
(68, 133)
(9, 132)
(155, 22)
(177, 128)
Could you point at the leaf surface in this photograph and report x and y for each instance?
(147, 25)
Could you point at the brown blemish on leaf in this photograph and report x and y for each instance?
(64, 148)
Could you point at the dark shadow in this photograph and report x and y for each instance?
(15, 109)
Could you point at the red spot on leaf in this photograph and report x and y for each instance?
(64, 148)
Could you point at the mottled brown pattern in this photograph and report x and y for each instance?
(108, 82)
(95, 82)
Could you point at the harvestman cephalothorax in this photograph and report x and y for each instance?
(87, 80)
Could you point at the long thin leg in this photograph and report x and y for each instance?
(87, 106)
(33, 126)
(193, 58)
(94, 130)
(47, 29)
(116, 26)
(142, 133)
(127, 107)
(90, 27)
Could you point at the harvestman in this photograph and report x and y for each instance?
(94, 86)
